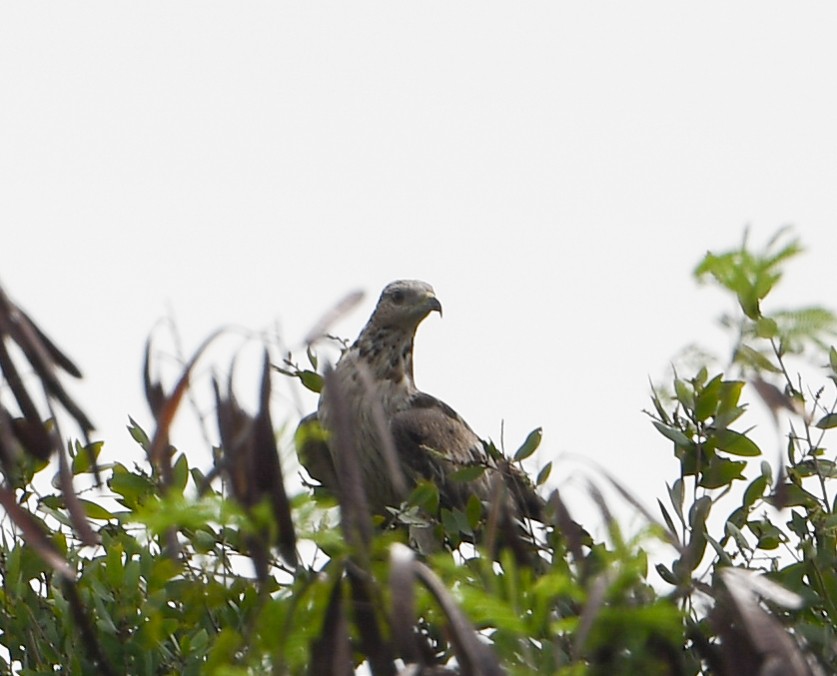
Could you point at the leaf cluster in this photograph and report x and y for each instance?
(166, 568)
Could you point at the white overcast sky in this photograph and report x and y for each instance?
(555, 170)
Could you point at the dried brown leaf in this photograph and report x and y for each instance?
(402, 592)
(595, 601)
(268, 470)
(331, 652)
(573, 533)
(343, 306)
(365, 601)
(354, 506)
(395, 472)
(753, 640)
(76, 510)
(166, 410)
(34, 535)
(473, 656)
(41, 356)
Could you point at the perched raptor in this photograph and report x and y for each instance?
(389, 420)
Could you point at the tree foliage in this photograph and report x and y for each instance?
(164, 568)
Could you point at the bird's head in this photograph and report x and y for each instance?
(404, 304)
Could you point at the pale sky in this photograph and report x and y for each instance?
(555, 170)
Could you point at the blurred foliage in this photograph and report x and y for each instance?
(223, 573)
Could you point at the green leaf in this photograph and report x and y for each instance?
(767, 471)
(816, 467)
(84, 454)
(735, 443)
(666, 574)
(748, 298)
(666, 517)
(133, 488)
(795, 496)
(738, 536)
(738, 517)
(311, 380)
(708, 399)
(723, 558)
(749, 357)
(766, 328)
(487, 609)
(675, 494)
(685, 394)
(829, 523)
(798, 525)
(473, 510)
(801, 325)
(543, 475)
(659, 408)
(769, 536)
(463, 523)
(138, 434)
(426, 496)
(175, 511)
(673, 434)
(730, 394)
(467, 473)
(754, 491)
(828, 421)
(95, 511)
(312, 357)
(449, 522)
(694, 550)
(115, 568)
(721, 472)
(530, 445)
(180, 473)
(204, 541)
(832, 358)
(698, 513)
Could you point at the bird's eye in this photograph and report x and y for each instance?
(398, 297)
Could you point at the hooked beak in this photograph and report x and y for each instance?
(434, 304)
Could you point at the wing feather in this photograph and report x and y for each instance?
(433, 442)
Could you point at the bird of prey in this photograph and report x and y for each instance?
(390, 421)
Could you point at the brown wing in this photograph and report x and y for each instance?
(433, 441)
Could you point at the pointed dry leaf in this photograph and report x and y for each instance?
(166, 409)
(268, 470)
(474, 656)
(354, 506)
(331, 651)
(627, 495)
(28, 337)
(751, 636)
(402, 592)
(155, 396)
(373, 643)
(343, 306)
(78, 515)
(572, 531)
(34, 536)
